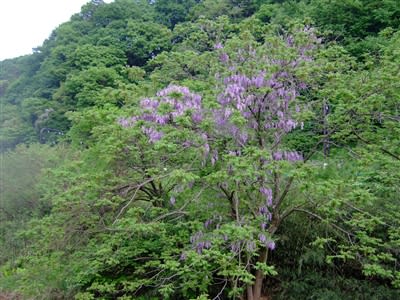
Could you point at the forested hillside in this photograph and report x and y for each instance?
(204, 149)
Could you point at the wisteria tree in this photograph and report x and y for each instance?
(235, 168)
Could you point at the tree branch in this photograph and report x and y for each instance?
(321, 219)
(134, 196)
(380, 148)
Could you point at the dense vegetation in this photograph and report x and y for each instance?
(205, 149)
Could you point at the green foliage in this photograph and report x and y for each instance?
(355, 18)
(172, 12)
(116, 215)
(145, 40)
(21, 172)
(83, 89)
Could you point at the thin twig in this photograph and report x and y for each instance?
(220, 292)
(134, 196)
(380, 148)
(322, 219)
(181, 209)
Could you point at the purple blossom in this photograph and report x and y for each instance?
(124, 122)
(302, 85)
(197, 117)
(207, 244)
(208, 223)
(224, 57)
(235, 247)
(179, 98)
(270, 245)
(290, 40)
(161, 119)
(149, 104)
(172, 200)
(268, 195)
(242, 138)
(214, 157)
(218, 46)
(197, 236)
(206, 149)
(250, 246)
(293, 156)
(258, 81)
(263, 210)
(152, 134)
(199, 247)
(277, 155)
(262, 238)
(183, 256)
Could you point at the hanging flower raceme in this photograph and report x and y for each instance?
(262, 106)
(265, 103)
(170, 104)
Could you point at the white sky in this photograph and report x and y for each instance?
(25, 24)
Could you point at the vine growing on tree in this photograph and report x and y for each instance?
(241, 144)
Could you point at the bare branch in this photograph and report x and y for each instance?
(322, 219)
(221, 291)
(380, 148)
(181, 209)
(138, 187)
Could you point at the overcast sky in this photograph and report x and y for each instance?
(25, 24)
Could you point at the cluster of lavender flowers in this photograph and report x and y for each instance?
(287, 155)
(179, 100)
(251, 246)
(270, 244)
(199, 242)
(264, 101)
(267, 99)
(303, 49)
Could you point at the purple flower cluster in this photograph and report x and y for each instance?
(267, 193)
(248, 245)
(200, 246)
(218, 46)
(215, 220)
(179, 99)
(199, 243)
(208, 223)
(287, 155)
(152, 134)
(235, 247)
(263, 110)
(266, 99)
(127, 122)
(270, 244)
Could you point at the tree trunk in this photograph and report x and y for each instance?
(257, 287)
(325, 112)
(250, 293)
(255, 292)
